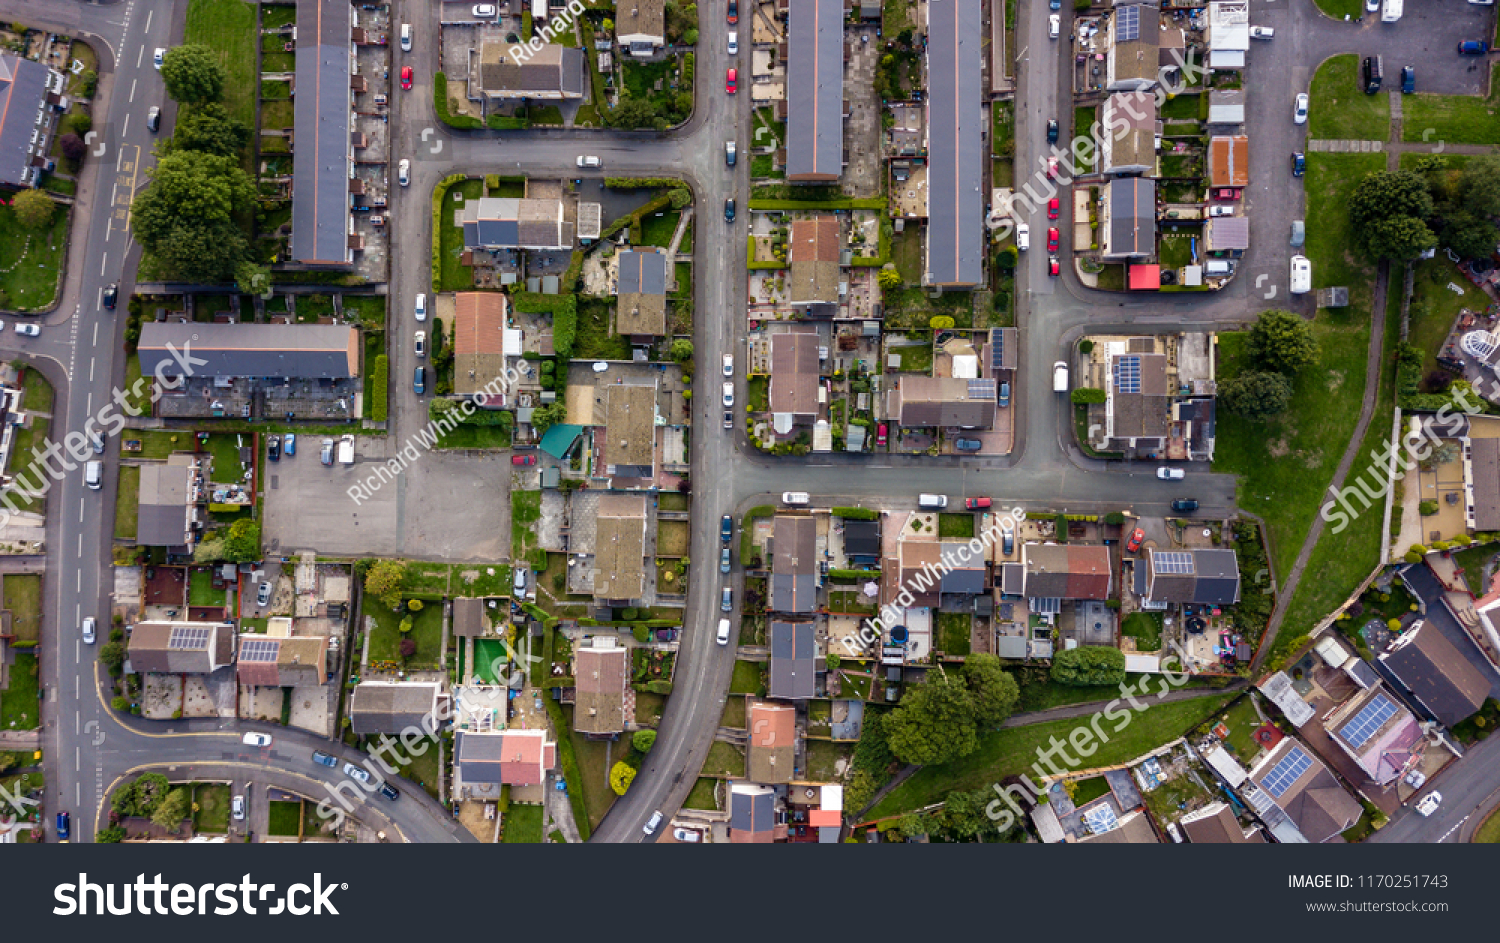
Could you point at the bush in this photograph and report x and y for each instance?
(1084, 395)
(853, 576)
(643, 740)
(1427, 508)
(440, 105)
(642, 634)
(1085, 346)
(1393, 624)
(856, 514)
(1114, 517)
(1089, 665)
(376, 393)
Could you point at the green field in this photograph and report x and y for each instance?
(29, 260)
(1454, 119)
(228, 27)
(523, 825)
(18, 703)
(23, 597)
(1340, 110)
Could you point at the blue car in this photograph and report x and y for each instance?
(1055, 5)
(419, 381)
(63, 821)
(289, 443)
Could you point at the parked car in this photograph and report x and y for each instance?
(1299, 163)
(1052, 168)
(1052, 130)
(88, 631)
(158, 57)
(28, 330)
(263, 595)
(327, 455)
(734, 12)
(729, 365)
(406, 37)
(419, 381)
(1226, 193)
(323, 759)
(356, 772)
(419, 343)
(734, 43)
(729, 153)
(728, 419)
(484, 11)
(1408, 79)
(1023, 237)
(518, 582)
(1133, 545)
(153, 119)
(1220, 210)
(237, 807)
(258, 740)
(732, 81)
(686, 835)
(389, 791)
(1184, 504)
(97, 441)
(1053, 237)
(1053, 267)
(726, 602)
(1301, 275)
(1004, 398)
(880, 434)
(406, 78)
(403, 172)
(591, 162)
(273, 448)
(1299, 233)
(976, 504)
(1473, 47)
(1429, 803)
(523, 460)
(64, 823)
(795, 497)
(1299, 109)
(1054, 25)
(1170, 474)
(724, 560)
(1262, 32)
(289, 444)
(1054, 208)
(968, 445)
(111, 296)
(728, 395)
(726, 528)
(656, 817)
(729, 211)
(420, 306)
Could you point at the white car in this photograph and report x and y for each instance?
(28, 330)
(734, 43)
(1170, 474)
(1262, 32)
(158, 57)
(728, 395)
(1023, 237)
(687, 835)
(590, 162)
(419, 344)
(403, 172)
(406, 37)
(795, 497)
(256, 739)
(421, 306)
(1372, 6)
(652, 822)
(1221, 210)
(1299, 110)
(356, 772)
(1301, 275)
(484, 11)
(729, 365)
(1055, 24)
(1430, 802)
(88, 630)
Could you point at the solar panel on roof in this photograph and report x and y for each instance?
(997, 347)
(1101, 819)
(1286, 771)
(1173, 561)
(1369, 719)
(188, 637)
(1128, 26)
(1128, 374)
(981, 389)
(259, 649)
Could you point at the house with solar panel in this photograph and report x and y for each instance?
(31, 98)
(1160, 395)
(919, 402)
(1130, 34)
(181, 648)
(282, 661)
(1196, 577)
(1297, 797)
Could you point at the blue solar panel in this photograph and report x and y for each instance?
(1369, 719)
(1128, 374)
(1287, 771)
(997, 347)
(1172, 561)
(1128, 24)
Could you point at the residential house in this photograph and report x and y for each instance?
(1443, 682)
(771, 752)
(794, 655)
(1193, 577)
(1227, 236)
(862, 543)
(1228, 161)
(1292, 779)
(640, 26)
(551, 73)
(601, 673)
(1228, 34)
(794, 380)
(1129, 223)
(815, 67)
(918, 572)
(752, 814)
(323, 159)
(1130, 41)
(794, 565)
(480, 342)
(1159, 395)
(963, 570)
(1132, 828)
(1066, 571)
(814, 260)
(181, 647)
(942, 402)
(280, 662)
(169, 498)
(518, 223)
(31, 95)
(1128, 127)
(955, 119)
(1138, 408)
(469, 620)
(641, 293)
(394, 706)
(626, 443)
(1378, 733)
(620, 549)
(1216, 824)
(483, 761)
(290, 351)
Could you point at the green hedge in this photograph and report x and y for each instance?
(569, 764)
(750, 255)
(853, 576)
(634, 218)
(689, 64)
(654, 687)
(856, 514)
(440, 105)
(376, 388)
(564, 311)
(638, 183)
(439, 194)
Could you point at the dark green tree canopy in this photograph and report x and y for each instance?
(1282, 342)
(1388, 212)
(193, 74)
(935, 722)
(1256, 395)
(185, 216)
(1089, 665)
(208, 128)
(993, 689)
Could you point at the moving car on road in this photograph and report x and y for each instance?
(1052, 130)
(591, 162)
(256, 739)
(406, 78)
(1170, 474)
(729, 211)
(1184, 504)
(729, 153)
(111, 296)
(28, 330)
(1429, 803)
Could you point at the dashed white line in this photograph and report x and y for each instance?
(148, 22)
(139, 55)
(77, 723)
(80, 553)
(96, 334)
(132, 89)
(103, 263)
(79, 588)
(77, 762)
(78, 793)
(77, 686)
(80, 501)
(126, 126)
(91, 369)
(88, 405)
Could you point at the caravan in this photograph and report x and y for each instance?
(1390, 11)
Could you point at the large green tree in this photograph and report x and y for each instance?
(1282, 342)
(34, 209)
(185, 216)
(1469, 235)
(964, 817)
(1400, 238)
(1089, 665)
(171, 810)
(1479, 186)
(384, 580)
(208, 128)
(193, 74)
(993, 689)
(1388, 212)
(1256, 395)
(934, 723)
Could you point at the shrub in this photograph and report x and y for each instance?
(856, 514)
(1089, 665)
(1085, 346)
(643, 740)
(1393, 624)
(1427, 508)
(642, 634)
(1088, 394)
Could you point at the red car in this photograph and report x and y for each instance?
(1054, 206)
(1226, 194)
(1134, 543)
(1052, 266)
(523, 459)
(976, 504)
(1052, 168)
(406, 77)
(880, 433)
(731, 81)
(1052, 238)
(734, 12)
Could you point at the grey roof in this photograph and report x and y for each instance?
(23, 90)
(303, 351)
(163, 519)
(552, 68)
(468, 617)
(752, 811)
(1132, 217)
(1226, 106)
(1204, 577)
(862, 538)
(382, 707)
(517, 223)
(954, 203)
(322, 157)
(964, 578)
(793, 654)
(1436, 673)
(794, 565)
(1485, 459)
(1229, 232)
(479, 756)
(815, 129)
(642, 273)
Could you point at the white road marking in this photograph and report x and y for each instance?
(78, 761)
(148, 22)
(126, 126)
(88, 405)
(78, 793)
(80, 553)
(80, 501)
(132, 90)
(77, 686)
(102, 263)
(91, 372)
(140, 54)
(77, 651)
(77, 723)
(80, 582)
(96, 333)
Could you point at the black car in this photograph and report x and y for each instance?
(728, 419)
(729, 211)
(1184, 504)
(726, 528)
(273, 448)
(1299, 163)
(111, 295)
(1408, 80)
(323, 759)
(1052, 131)
(389, 791)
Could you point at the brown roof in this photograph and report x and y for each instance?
(600, 690)
(468, 617)
(1485, 458)
(553, 68)
(282, 662)
(1135, 829)
(794, 374)
(1436, 672)
(1215, 824)
(629, 427)
(1130, 120)
(919, 401)
(640, 18)
(180, 647)
(620, 547)
(1067, 571)
(642, 304)
(922, 583)
(1314, 801)
(773, 739)
(479, 319)
(814, 259)
(1229, 161)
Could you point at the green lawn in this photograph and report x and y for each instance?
(276, 114)
(594, 771)
(284, 818)
(1039, 694)
(427, 632)
(1434, 306)
(128, 503)
(201, 591)
(1455, 119)
(1340, 110)
(212, 800)
(823, 757)
(273, 16)
(36, 393)
(595, 340)
(18, 703)
(734, 713)
(1014, 750)
(23, 597)
(1087, 790)
(746, 678)
(906, 253)
(25, 439)
(702, 796)
(724, 759)
(659, 227)
(1489, 832)
(915, 358)
(1472, 560)
(523, 825)
(32, 283)
(953, 630)
(956, 526)
(228, 27)
(1338, 9)
(1145, 628)
(1242, 721)
(423, 770)
(455, 276)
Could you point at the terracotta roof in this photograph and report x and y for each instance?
(1067, 571)
(771, 753)
(814, 260)
(511, 757)
(1229, 161)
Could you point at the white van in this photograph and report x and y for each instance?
(93, 475)
(422, 307)
(795, 497)
(1301, 275)
(1023, 237)
(1217, 267)
(932, 501)
(406, 37)
(723, 631)
(1390, 11)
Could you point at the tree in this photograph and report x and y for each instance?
(544, 417)
(935, 722)
(832, 660)
(964, 817)
(405, 625)
(109, 836)
(1387, 212)
(1471, 236)
(209, 128)
(1479, 186)
(112, 654)
(408, 647)
(185, 215)
(34, 209)
(1256, 395)
(993, 689)
(913, 824)
(635, 113)
(1399, 239)
(1089, 665)
(73, 147)
(1282, 342)
(608, 25)
(242, 543)
(384, 581)
(643, 740)
(193, 74)
(890, 278)
(1088, 394)
(171, 810)
(621, 775)
(682, 350)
